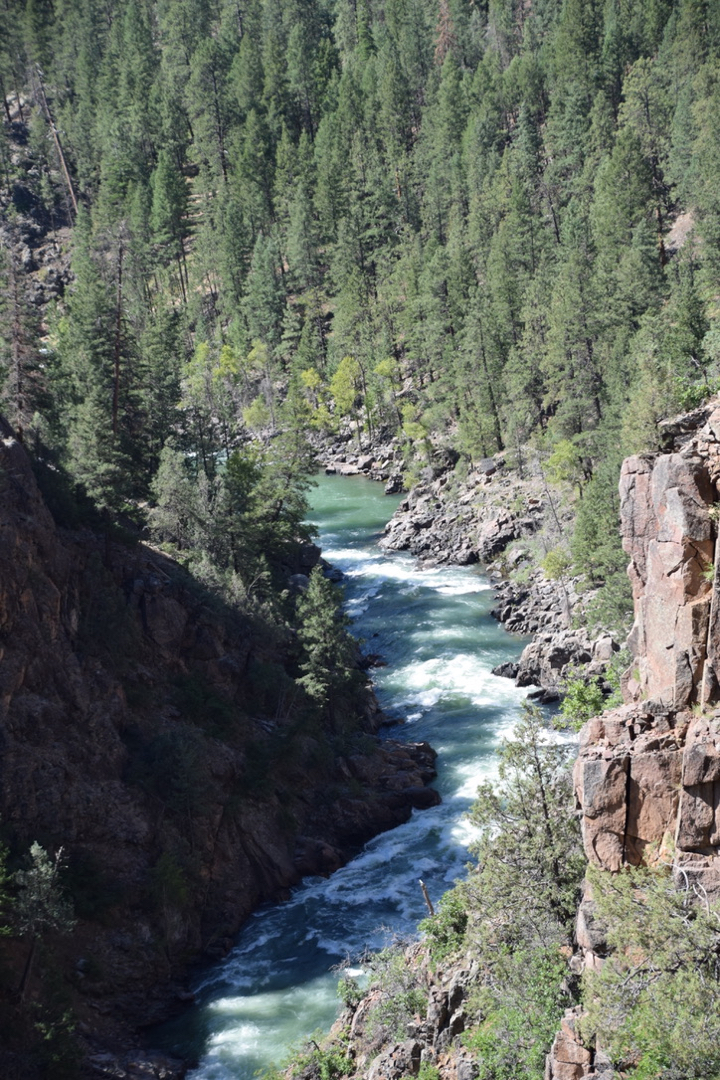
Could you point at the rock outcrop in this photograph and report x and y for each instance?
(646, 772)
(648, 785)
(670, 538)
(441, 522)
(647, 777)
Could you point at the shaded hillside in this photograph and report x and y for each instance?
(165, 742)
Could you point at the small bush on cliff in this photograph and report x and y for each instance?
(402, 996)
(321, 1060)
(428, 1071)
(556, 564)
(445, 930)
(655, 1005)
(41, 906)
(530, 859)
(349, 991)
(583, 700)
(519, 1025)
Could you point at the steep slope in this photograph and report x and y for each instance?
(160, 739)
(646, 778)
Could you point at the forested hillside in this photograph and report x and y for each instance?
(476, 221)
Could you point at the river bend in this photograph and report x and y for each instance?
(440, 643)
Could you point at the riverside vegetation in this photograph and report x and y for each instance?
(465, 225)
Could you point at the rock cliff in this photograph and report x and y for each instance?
(156, 736)
(647, 777)
(646, 772)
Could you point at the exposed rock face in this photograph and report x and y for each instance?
(383, 463)
(141, 728)
(568, 1058)
(647, 778)
(668, 533)
(627, 778)
(465, 525)
(648, 773)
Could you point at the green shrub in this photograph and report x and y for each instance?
(402, 997)
(617, 667)
(584, 698)
(522, 902)
(556, 564)
(333, 1063)
(611, 608)
(445, 930)
(530, 857)
(655, 1004)
(349, 992)
(521, 1010)
(328, 1061)
(56, 1043)
(428, 1071)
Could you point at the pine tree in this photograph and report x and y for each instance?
(167, 217)
(330, 654)
(41, 906)
(24, 385)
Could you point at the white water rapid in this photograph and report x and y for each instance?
(434, 630)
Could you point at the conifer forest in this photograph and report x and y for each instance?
(462, 222)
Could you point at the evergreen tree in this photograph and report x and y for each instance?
(330, 654)
(41, 906)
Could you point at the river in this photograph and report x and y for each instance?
(434, 630)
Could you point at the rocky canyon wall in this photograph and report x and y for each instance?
(647, 774)
(647, 777)
(157, 736)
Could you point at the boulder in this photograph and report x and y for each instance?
(508, 670)
(400, 1060)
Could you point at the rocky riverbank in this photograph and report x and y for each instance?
(506, 521)
(383, 463)
(646, 777)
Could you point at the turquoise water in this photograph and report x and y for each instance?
(435, 632)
